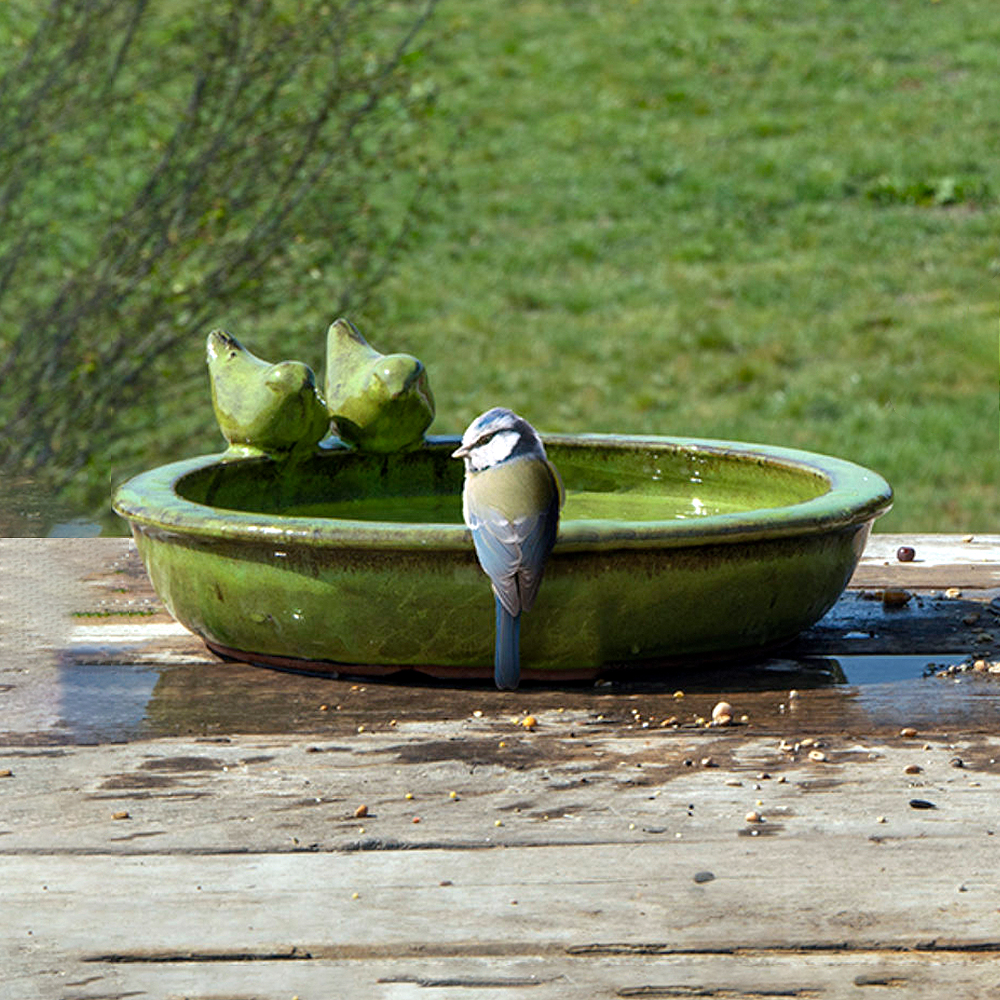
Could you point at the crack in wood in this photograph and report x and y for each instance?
(720, 993)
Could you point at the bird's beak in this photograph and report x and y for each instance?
(460, 452)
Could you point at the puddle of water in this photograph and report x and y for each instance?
(104, 701)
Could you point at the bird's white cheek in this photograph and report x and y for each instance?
(494, 451)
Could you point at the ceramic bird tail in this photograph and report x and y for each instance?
(378, 402)
(263, 408)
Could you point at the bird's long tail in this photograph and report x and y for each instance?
(507, 653)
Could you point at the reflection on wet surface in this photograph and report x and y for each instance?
(101, 700)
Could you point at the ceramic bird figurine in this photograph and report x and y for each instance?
(263, 408)
(510, 501)
(378, 402)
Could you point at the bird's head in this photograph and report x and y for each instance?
(497, 436)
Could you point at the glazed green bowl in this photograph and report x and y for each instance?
(668, 549)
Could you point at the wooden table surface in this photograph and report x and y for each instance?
(176, 826)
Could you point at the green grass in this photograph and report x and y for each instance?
(746, 220)
(737, 219)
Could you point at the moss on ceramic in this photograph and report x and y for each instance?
(667, 548)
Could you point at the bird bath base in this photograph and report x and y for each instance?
(341, 561)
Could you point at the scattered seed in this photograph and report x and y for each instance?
(453, 795)
(529, 722)
(708, 762)
(355, 895)
(734, 783)
(702, 877)
(921, 804)
(754, 817)
(678, 694)
(6, 773)
(912, 769)
(700, 720)
(498, 822)
(361, 811)
(793, 693)
(324, 708)
(892, 598)
(967, 538)
(953, 592)
(408, 796)
(905, 553)
(502, 744)
(817, 755)
(880, 819)
(477, 714)
(121, 815)
(957, 762)
(763, 776)
(416, 819)
(722, 720)
(361, 729)
(722, 708)
(908, 731)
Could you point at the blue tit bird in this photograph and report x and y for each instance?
(511, 502)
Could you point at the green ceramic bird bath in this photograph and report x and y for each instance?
(354, 562)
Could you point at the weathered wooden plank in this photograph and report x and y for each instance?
(970, 561)
(869, 900)
(553, 976)
(477, 785)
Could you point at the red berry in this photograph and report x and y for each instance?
(905, 553)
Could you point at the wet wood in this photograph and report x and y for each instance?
(171, 825)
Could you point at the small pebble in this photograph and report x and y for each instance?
(723, 708)
(921, 804)
(905, 553)
(912, 769)
(957, 762)
(702, 877)
(908, 731)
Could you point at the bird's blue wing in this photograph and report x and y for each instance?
(499, 550)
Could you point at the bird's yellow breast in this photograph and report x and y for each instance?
(515, 489)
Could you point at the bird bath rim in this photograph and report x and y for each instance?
(852, 495)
